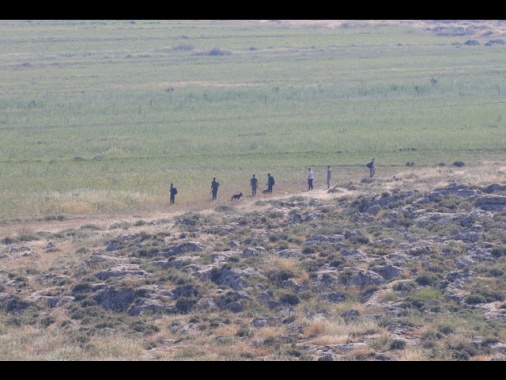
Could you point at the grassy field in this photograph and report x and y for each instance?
(100, 116)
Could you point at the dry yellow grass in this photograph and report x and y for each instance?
(323, 330)
(54, 343)
(387, 178)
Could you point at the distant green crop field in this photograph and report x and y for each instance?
(99, 116)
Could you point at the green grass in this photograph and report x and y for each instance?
(100, 116)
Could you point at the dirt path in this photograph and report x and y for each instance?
(389, 178)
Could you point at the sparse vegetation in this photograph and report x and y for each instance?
(95, 265)
(196, 107)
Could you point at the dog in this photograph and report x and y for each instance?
(236, 196)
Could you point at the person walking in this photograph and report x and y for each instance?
(270, 183)
(329, 175)
(173, 192)
(372, 168)
(310, 179)
(214, 188)
(254, 185)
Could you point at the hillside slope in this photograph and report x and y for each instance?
(377, 269)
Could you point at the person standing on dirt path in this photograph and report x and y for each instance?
(310, 179)
(214, 188)
(329, 175)
(372, 168)
(270, 183)
(254, 185)
(173, 192)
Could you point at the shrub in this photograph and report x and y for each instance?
(218, 52)
(462, 351)
(346, 275)
(405, 286)
(47, 321)
(426, 279)
(492, 295)
(88, 302)
(296, 353)
(281, 275)
(308, 250)
(460, 355)
(92, 227)
(336, 262)
(359, 240)
(183, 47)
(412, 302)
(185, 304)
(143, 327)
(28, 238)
(474, 299)
(446, 330)
(397, 344)
(81, 287)
(369, 291)
(498, 252)
(16, 305)
(495, 272)
(289, 298)
(244, 332)
(275, 215)
(276, 237)
(86, 314)
(215, 274)
(122, 225)
(8, 240)
(431, 335)
(105, 325)
(147, 253)
(271, 341)
(247, 355)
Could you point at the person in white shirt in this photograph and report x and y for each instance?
(310, 179)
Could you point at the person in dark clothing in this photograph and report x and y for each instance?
(270, 183)
(173, 192)
(254, 185)
(214, 188)
(372, 168)
(329, 175)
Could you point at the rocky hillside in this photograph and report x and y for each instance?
(398, 275)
